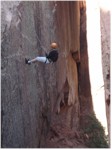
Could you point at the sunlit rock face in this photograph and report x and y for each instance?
(43, 103)
(105, 45)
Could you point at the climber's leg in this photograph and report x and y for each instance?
(40, 59)
(32, 60)
(43, 59)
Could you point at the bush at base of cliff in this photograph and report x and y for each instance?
(95, 132)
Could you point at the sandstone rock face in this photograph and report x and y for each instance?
(105, 45)
(41, 103)
(85, 97)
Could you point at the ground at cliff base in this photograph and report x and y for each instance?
(64, 138)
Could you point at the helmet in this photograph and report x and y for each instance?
(54, 45)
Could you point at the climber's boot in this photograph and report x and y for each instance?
(26, 61)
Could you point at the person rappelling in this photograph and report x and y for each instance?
(50, 57)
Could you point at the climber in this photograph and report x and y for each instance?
(51, 57)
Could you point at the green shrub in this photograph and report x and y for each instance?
(96, 133)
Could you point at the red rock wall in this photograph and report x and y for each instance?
(74, 101)
(85, 98)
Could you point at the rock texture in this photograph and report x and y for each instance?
(85, 97)
(105, 45)
(41, 106)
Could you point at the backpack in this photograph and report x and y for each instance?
(52, 56)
